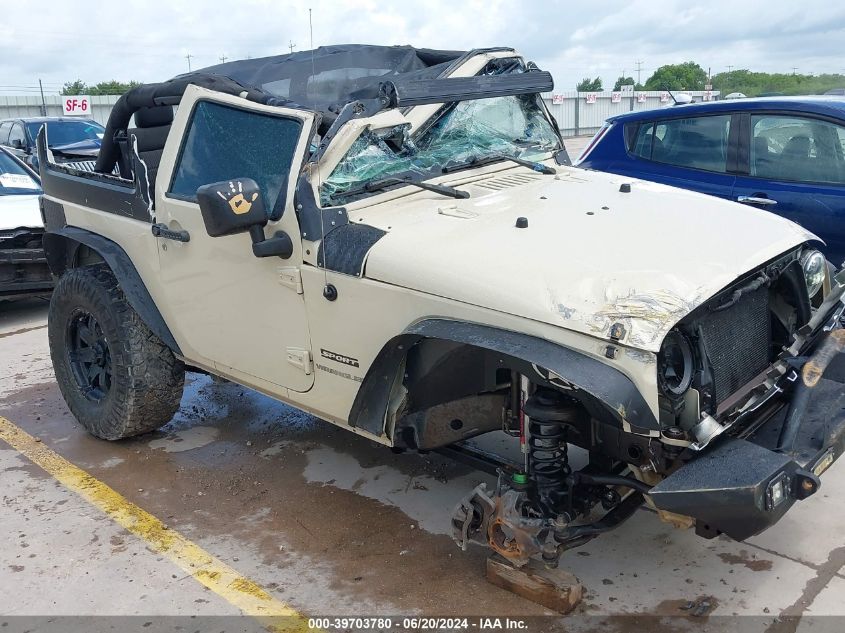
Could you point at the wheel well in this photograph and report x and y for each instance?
(64, 253)
(70, 247)
(444, 367)
(86, 256)
(450, 391)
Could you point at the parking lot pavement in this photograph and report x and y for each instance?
(330, 523)
(575, 145)
(52, 538)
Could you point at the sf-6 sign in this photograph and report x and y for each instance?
(77, 105)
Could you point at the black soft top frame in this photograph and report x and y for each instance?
(162, 94)
(337, 82)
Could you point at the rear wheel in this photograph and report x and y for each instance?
(117, 377)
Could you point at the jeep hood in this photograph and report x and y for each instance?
(590, 257)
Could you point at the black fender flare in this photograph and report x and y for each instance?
(61, 246)
(543, 360)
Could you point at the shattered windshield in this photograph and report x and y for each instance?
(465, 131)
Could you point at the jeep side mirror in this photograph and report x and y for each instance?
(18, 144)
(231, 206)
(236, 206)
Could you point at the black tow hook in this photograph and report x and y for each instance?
(811, 374)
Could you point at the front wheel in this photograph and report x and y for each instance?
(117, 377)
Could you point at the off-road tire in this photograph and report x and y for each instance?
(140, 383)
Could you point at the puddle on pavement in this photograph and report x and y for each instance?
(185, 440)
(276, 448)
(422, 498)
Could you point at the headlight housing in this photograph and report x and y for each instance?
(814, 266)
(675, 364)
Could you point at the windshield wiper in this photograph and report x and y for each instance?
(382, 183)
(475, 161)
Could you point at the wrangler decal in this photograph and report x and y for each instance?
(336, 372)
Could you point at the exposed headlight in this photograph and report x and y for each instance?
(815, 268)
(675, 364)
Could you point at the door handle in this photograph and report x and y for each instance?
(764, 202)
(161, 230)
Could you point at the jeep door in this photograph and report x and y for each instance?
(228, 309)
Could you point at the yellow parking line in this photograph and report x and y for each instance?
(209, 571)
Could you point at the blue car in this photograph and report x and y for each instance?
(782, 154)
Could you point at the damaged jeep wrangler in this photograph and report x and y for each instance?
(393, 239)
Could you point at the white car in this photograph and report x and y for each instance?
(23, 265)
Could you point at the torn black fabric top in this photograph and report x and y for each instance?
(323, 80)
(329, 77)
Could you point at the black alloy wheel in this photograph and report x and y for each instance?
(89, 355)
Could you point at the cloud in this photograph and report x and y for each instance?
(148, 40)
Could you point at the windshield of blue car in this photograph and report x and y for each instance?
(463, 132)
(66, 132)
(14, 179)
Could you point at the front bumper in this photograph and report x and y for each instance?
(24, 271)
(744, 484)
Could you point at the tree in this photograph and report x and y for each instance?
(752, 83)
(686, 76)
(112, 87)
(77, 87)
(589, 85)
(624, 81)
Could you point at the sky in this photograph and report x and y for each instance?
(148, 40)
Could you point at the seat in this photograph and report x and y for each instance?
(658, 150)
(688, 150)
(152, 127)
(795, 161)
(762, 159)
(797, 147)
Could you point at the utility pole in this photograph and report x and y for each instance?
(291, 45)
(188, 57)
(639, 72)
(223, 58)
(794, 69)
(43, 103)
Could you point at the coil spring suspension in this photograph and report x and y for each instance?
(550, 412)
